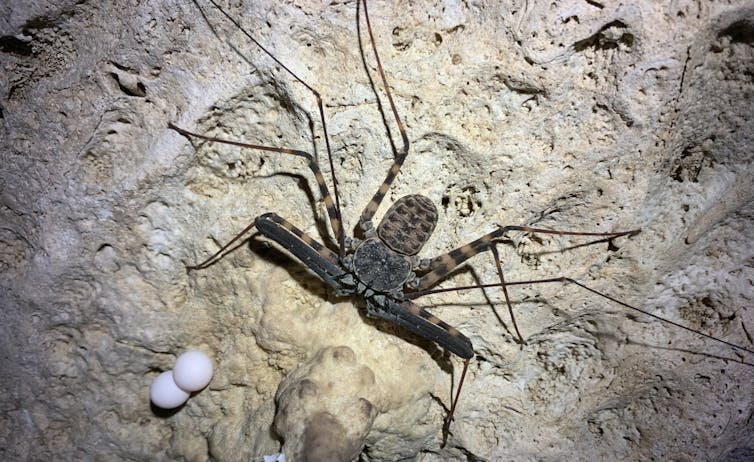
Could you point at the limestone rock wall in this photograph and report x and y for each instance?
(574, 115)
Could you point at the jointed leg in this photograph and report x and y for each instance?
(453, 404)
(333, 209)
(315, 256)
(567, 280)
(217, 255)
(440, 266)
(365, 221)
(499, 267)
(415, 319)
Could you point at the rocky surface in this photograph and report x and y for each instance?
(575, 115)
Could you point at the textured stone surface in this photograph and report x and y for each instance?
(578, 115)
(325, 408)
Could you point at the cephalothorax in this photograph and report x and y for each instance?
(385, 261)
(383, 267)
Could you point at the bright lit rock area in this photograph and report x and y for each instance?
(577, 115)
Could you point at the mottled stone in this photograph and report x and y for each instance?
(325, 408)
(574, 115)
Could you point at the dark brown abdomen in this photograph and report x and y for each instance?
(408, 224)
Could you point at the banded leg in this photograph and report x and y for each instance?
(440, 266)
(332, 210)
(423, 323)
(314, 255)
(567, 280)
(365, 221)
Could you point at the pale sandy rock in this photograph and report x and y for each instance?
(576, 115)
(325, 408)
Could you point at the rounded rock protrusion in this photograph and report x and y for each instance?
(325, 407)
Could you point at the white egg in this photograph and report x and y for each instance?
(279, 457)
(165, 393)
(192, 371)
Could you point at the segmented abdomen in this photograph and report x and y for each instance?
(408, 224)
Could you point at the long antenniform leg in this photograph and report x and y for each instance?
(440, 266)
(333, 207)
(567, 280)
(365, 221)
(563, 280)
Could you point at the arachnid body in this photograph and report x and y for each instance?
(381, 266)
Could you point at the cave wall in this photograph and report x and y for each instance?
(591, 116)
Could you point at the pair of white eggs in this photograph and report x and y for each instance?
(192, 372)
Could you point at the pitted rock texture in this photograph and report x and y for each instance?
(325, 407)
(573, 115)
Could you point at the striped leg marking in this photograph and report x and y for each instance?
(312, 254)
(423, 323)
(323, 251)
(374, 204)
(444, 264)
(338, 230)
